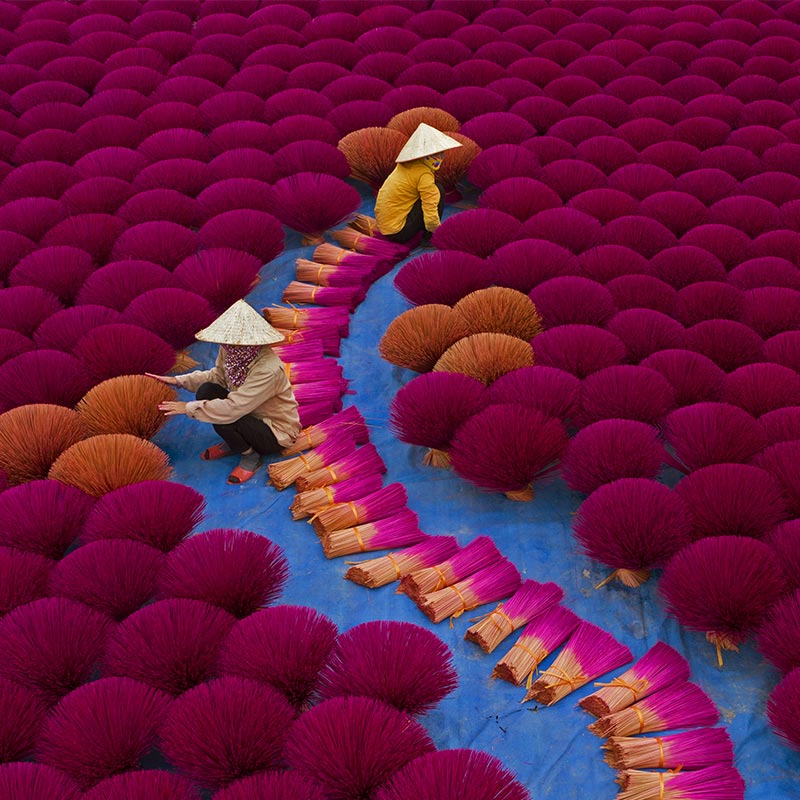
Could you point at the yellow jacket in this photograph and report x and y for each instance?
(408, 183)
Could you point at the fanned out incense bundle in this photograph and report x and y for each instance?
(305, 504)
(528, 601)
(717, 782)
(321, 369)
(690, 750)
(331, 275)
(659, 667)
(391, 567)
(351, 239)
(349, 422)
(541, 636)
(364, 461)
(396, 531)
(285, 473)
(498, 580)
(346, 296)
(684, 705)
(301, 318)
(589, 653)
(479, 553)
(382, 503)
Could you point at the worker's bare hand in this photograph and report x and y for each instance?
(170, 380)
(172, 407)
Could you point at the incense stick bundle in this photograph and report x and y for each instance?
(589, 653)
(300, 351)
(318, 411)
(715, 783)
(285, 473)
(352, 239)
(314, 500)
(541, 636)
(659, 667)
(348, 422)
(346, 296)
(489, 585)
(364, 224)
(327, 335)
(391, 567)
(364, 461)
(396, 531)
(530, 599)
(688, 750)
(382, 503)
(328, 391)
(685, 705)
(479, 553)
(321, 369)
(337, 256)
(300, 318)
(331, 275)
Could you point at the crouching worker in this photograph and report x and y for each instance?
(411, 200)
(246, 396)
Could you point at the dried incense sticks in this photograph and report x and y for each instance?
(285, 473)
(305, 504)
(688, 750)
(362, 461)
(348, 422)
(379, 504)
(399, 530)
(719, 782)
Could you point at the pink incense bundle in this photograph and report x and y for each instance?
(332, 255)
(331, 275)
(717, 782)
(498, 580)
(690, 750)
(313, 371)
(589, 653)
(301, 351)
(345, 296)
(530, 600)
(379, 504)
(301, 318)
(351, 239)
(477, 555)
(327, 335)
(382, 534)
(305, 504)
(393, 566)
(364, 461)
(285, 473)
(348, 422)
(325, 392)
(659, 667)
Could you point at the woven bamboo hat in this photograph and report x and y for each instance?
(240, 324)
(425, 141)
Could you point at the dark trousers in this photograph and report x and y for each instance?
(415, 221)
(246, 432)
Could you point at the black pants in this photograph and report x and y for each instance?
(415, 221)
(247, 432)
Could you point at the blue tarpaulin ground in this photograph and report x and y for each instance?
(550, 749)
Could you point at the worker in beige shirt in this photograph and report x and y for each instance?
(246, 395)
(410, 200)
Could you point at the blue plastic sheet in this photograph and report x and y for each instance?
(549, 749)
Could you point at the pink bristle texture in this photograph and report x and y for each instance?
(170, 114)
(226, 729)
(521, 197)
(52, 645)
(101, 729)
(13, 247)
(162, 242)
(712, 433)
(782, 424)
(254, 232)
(499, 162)
(220, 275)
(43, 376)
(303, 126)
(112, 130)
(644, 332)
(706, 300)
(782, 349)
(780, 460)
(348, 297)
(95, 233)
(24, 579)
(760, 388)
(682, 266)
(782, 709)
(185, 175)
(111, 162)
(578, 349)
(23, 715)
(301, 351)
(572, 300)
(13, 343)
(609, 261)
(171, 645)
(552, 391)
(723, 585)
(398, 663)
(24, 308)
(39, 179)
(693, 377)
(785, 539)
(234, 193)
(272, 786)
(625, 392)
(174, 315)
(632, 525)
(160, 204)
(352, 745)
(467, 774)
(117, 283)
(691, 750)
(309, 371)
(175, 143)
(611, 449)
(237, 570)
(779, 634)
(21, 780)
(443, 276)
(566, 227)
(677, 210)
(42, 517)
(385, 502)
(398, 530)
(727, 244)
(97, 196)
(479, 232)
(525, 264)
(350, 422)
(152, 784)
(766, 271)
(772, 310)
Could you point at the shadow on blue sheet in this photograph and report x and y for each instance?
(550, 749)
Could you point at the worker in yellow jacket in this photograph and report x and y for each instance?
(411, 200)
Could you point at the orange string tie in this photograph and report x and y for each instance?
(634, 688)
(287, 368)
(305, 463)
(342, 254)
(329, 494)
(660, 744)
(360, 540)
(395, 565)
(442, 582)
(640, 715)
(314, 293)
(564, 679)
(308, 438)
(661, 785)
(332, 474)
(502, 614)
(464, 604)
(319, 272)
(354, 511)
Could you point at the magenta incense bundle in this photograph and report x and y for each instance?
(331, 275)
(539, 638)
(589, 653)
(300, 351)
(382, 503)
(396, 531)
(347, 422)
(329, 337)
(659, 667)
(305, 504)
(347, 296)
(293, 318)
(313, 371)
(285, 473)
(717, 782)
(689, 750)
(352, 239)
(393, 566)
(528, 601)
(364, 461)
(331, 255)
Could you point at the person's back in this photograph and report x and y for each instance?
(408, 183)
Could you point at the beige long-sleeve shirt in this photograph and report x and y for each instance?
(407, 183)
(266, 394)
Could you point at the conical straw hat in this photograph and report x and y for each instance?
(425, 141)
(240, 324)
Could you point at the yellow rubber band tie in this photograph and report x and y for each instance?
(641, 718)
(461, 598)
(660, 744)
(661, 786)
(442, 578)
(342, 254)
(314, 293)
(304, 461)
(505, 616)
(319, 272)
(308, 438)
(287, 368)
(541, 655)
(294, 318)
(354, 510)
(633, 688)
(329, 494)
(360, 540)
(564, 679)
(332, 474)
(394, 564)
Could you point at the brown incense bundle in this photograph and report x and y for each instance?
(484, 356)
(409, 120)
(365, 224)
(399, 530)
(371, 153)
(285, 473)
(500, 310)
(377, 505)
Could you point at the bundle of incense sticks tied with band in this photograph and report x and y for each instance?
(492, 583)
(541, 636)
(351, 239)
(396, 531)
(382, 503)
(684, 705)
(689, 750)
(346, 296)
(305, 504)
(659, 667)
(291, 318)
(379, 571)
(300, 351)
(364, 461)
(331, 255)
(530, 599)
(348, 422)
(478, 554)
(713, 783)
(285, 473)
(328, 336)
(589, 653)
(312, 371)
(332, 275)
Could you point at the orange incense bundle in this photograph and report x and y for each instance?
(689, 750)
(397, 531)
(348, 422)
(314, 500)
(391, 567)
(333, 275)
(589, 653)
(712, 783)
(529, 600)
(382, 503)
(364, 224)
(364, 461)
(285, 473)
